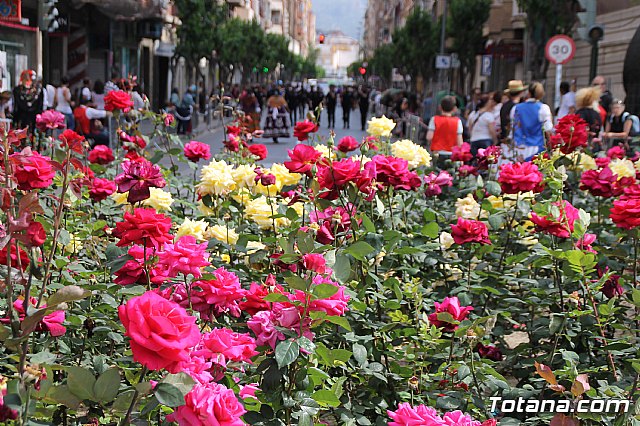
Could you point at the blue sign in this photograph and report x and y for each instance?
(487, 64)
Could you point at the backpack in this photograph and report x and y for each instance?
(635, 126)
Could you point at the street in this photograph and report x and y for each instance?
(278, 152)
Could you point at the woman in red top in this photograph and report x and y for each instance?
(445, 130)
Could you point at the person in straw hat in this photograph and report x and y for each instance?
(514, 91)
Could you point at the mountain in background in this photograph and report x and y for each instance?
(344, 15)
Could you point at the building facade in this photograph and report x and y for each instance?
(336, 54)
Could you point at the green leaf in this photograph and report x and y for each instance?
(324, 291)
(287, 351)
(359, 353)
(493, 188)
(81, 383)
(62, 395)
(169, 395)
(341, 321)
(297, 282)
(107, 386)
(367, 223)
(326, 398)
(342, 268)
(306, 344)
(182, 381)
(276, 297)
(431, 230)
(359, 250)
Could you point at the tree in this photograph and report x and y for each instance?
(546, 18)
(244, 47)
(464, 26)
(416, 59)
(381, 64)
(199, 32)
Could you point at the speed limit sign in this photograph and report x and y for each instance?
(560, 49)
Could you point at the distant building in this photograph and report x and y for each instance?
(337, 53)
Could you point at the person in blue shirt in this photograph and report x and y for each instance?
(532, 121)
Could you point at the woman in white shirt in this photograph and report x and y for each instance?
(98, 94)
(482, 124)
(63, 102)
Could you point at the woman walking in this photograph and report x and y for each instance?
(277, 123)
(482, 124)
(63, 102)
(588, 108)
(27, 100)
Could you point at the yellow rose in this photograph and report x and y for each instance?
(120, 198)
(413, 153)
(324, 150)
(622, 167)
(222, 233)
(283, 175)
(74, 245)
(225, 258)
(446, 240)
(159, 200)
(467, 207)
(582, 161)
(260, 212)
(380, 127)
(216, 178)
(244, 176)
(195, 228)
(242, 196)
(496, 202)
(204, 210)
(254, 246)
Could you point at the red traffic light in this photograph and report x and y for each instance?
(321, 38)
(363, 70)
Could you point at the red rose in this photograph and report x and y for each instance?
(101, 189)
(470, 231)
(520, 177)
(16, 252)
(600, 183)
(625, 212)
(302, 158)
(461, 153)
(302, 129)
(36, 235)
(259, 151)
(118, 100)
(348, 144)
(616, 152)
(336, 175)
(561, 225)
(144, 227)
(196, 151)
(233, 130)
(574, 133)
(31, 170)
(137, 178)
(101, 154)
(490, 352)
(451, 306)
(72, 140)
(394, 171)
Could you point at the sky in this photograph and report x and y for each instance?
(344, 15)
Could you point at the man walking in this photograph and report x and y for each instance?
(514, 91)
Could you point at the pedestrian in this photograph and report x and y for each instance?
(97, 96)
(174, 99)
(277, 123)
(531, 121)
(292, 100)
(5, 104)
(567, 100)
(331, 101)
(514, 90)
(363, 103)
(588, 108)
(88, 123)
(605, 95)
(444, 131)
(28, 100)
(112, 84)
(63, 102)
(85, 92)
(250, 106)
(346, 101)
(619, 126)
(482, 124)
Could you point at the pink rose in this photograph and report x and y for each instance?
(196, 151)
(520, 177)
(470, 231)
(458, 418)
(264, 327)
(249, 391)
(434, 183)
(336, 304)
(421, 415)
(209, 405)
(315, 262)
(562, 225)
(237, 347)
(186, 256)
(49, 120)
(450, 305)
(161, 331)
(31, 170)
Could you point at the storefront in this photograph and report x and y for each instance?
(18, 40)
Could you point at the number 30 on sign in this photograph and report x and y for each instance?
(560, 49)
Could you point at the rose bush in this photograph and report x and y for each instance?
(361, 288)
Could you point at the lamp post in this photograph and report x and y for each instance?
(596, 33)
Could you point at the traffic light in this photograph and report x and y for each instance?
(586, 18)
(321, 38)
(265, 70)
(363, 70)
(50, 14)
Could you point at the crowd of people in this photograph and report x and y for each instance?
(83, 108)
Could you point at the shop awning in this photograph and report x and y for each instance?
(128, 10)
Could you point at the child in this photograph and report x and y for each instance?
(445, 130)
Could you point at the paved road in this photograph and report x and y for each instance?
(278, 152)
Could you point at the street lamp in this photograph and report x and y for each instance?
(596, 33)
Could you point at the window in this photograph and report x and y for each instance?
(517, 10)
(276, 17)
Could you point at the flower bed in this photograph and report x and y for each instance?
(353, 284)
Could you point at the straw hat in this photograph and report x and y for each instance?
(515, 87)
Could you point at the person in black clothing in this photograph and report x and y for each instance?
(346, 100)
(331, 101)
(363, 103)
(292, 99)
(605, 95)
(28, 100)
(586, 99)
(316, 96)
(619, 126)
(515, 90)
